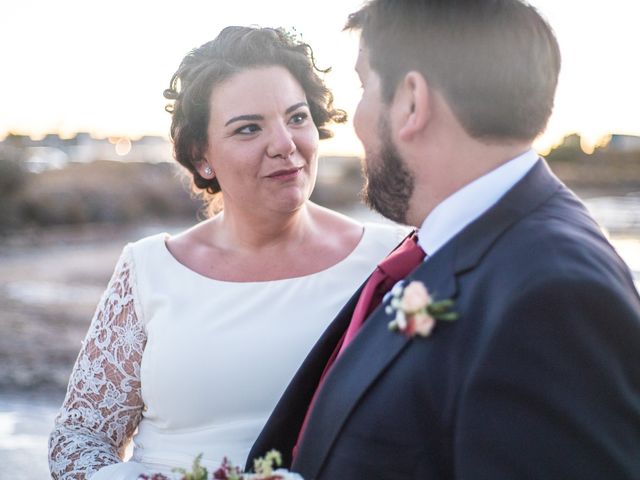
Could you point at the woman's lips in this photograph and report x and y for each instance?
(286, 174)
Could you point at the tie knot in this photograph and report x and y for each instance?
(399, 263)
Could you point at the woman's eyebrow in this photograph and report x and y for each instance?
(244, 118)
(255, 117)
(296, 106)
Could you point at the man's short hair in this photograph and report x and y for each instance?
(496, 62)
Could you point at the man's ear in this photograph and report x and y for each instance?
(413, 103)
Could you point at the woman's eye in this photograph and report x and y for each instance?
(299, 117)
(247, 129)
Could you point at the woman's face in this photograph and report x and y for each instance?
(262, 142)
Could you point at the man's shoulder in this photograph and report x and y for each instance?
(560, 226)
(558, 240)
(562, 217)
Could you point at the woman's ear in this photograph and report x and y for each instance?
(204, 168)
(201, 163)
(413, 105)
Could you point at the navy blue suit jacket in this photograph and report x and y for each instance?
(539, 377)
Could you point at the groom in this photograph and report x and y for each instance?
(539, 375)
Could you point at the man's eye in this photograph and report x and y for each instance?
(299, 117)
(247, 129)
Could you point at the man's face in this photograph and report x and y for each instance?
(389, 183)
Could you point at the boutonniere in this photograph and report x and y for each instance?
(415, 311)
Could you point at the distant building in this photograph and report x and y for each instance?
(52, 151)
(573, 141)
(84, 148)
(17, 141)
(50, 140)
(39, 159)
(623, 143)
(152, 149)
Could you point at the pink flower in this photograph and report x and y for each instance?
(415, 311)
(421, 324)
(415, 298)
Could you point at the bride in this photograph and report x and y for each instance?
(198, 334)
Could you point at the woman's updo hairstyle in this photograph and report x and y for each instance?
(234, 50)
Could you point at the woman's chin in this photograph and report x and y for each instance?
(291, 202)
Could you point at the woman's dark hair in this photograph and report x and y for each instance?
(234, 50)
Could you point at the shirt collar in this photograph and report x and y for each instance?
(464, 206)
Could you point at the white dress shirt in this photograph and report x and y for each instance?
(464, 206)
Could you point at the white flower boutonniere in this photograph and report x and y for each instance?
(415, 311)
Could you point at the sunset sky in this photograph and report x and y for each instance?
(77, 65)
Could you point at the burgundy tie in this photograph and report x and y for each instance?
(396, 266)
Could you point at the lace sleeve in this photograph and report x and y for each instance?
(103, 406)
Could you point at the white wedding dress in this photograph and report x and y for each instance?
(195, 364)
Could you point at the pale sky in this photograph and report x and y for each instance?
(80, 65)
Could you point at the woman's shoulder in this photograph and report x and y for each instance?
(392, 231)
(149, 242)
(384, 236)
(146, 249)
(372, 236)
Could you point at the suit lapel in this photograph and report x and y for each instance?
(366, 358)
(375, 348)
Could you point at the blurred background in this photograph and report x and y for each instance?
(86, 165)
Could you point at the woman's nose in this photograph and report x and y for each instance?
(281, 143)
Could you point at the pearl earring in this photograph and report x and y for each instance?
(207, 170)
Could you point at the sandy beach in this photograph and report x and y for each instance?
(49, 287)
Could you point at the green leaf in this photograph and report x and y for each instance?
(198, 472)
(264, 465)
(447, 303)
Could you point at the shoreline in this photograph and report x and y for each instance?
(12, 242)
(50, 284)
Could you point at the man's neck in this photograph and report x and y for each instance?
(465, 205)
(447, 168)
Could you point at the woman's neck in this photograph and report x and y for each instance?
(255, 232)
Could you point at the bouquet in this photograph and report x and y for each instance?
(263, 466)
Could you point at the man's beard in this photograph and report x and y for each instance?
(389, 183)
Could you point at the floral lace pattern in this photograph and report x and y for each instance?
(103, 406)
